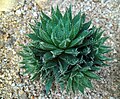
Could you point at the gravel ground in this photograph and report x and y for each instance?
(15, 24)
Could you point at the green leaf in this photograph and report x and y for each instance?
(50, 64)
(29, 61)
(37, 24)
(81, 88)
(72, 51)
(76, 79)
(54, 39)
(85, 51)
(55, 18)
(91, 75)
(87, 42)
(85, 81)
(33, 37)
(56, 35)
(75, 30)
(98, 62)
(89, 63)
(80, 74)
(44, 46)
(67, 28)
(86, 25)
(91, 33)
(79, 39)
(103, 58)
(66, 17)
(72, 34)
(44, 36)
(47, 56)
(58, 13)
(45, 74)
(25, 66)
(106, 47)
(70, 12)
(63, 66)
(48, 84)
(85, 68)
(74, 74)
(24, 54)
(70, 59)
(49, 28)
(83, 18)
(56, 73)
(98, 35)
(95, 68)
(56, 52)
(102, 40)
(76, 18)
(43, 26)
(69, 84)
(74, 86)
(104, 50)
(64, 43)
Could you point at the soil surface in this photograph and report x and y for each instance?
(14, 24)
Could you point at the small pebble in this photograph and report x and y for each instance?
(14, 25)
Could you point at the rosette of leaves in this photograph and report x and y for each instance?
(64, 50)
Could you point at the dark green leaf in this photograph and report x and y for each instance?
(69, 84)
(103, 58)
(63, 66)
(45, 46)
(75, 29)
(81, 88)
(69, 59)
(74, 86)
(102, 40)
(56, 52)
(85, 68)
(98, 35)
(44, 36)
(95, 68)
(47, 56)
(64, 43)
(33, 37)
(76, 18)
(48, 84)
(70, 12)
(56, 72)
(80, 74)
(83, 18)
(55, 18)
(85, 81)
(49, 64)
(85, 51)
(92, 75)
(86, 25)
(79, 39)
(58, 13)
(72, 51)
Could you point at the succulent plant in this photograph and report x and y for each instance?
(64, 50)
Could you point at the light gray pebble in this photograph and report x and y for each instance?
(111, 98)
